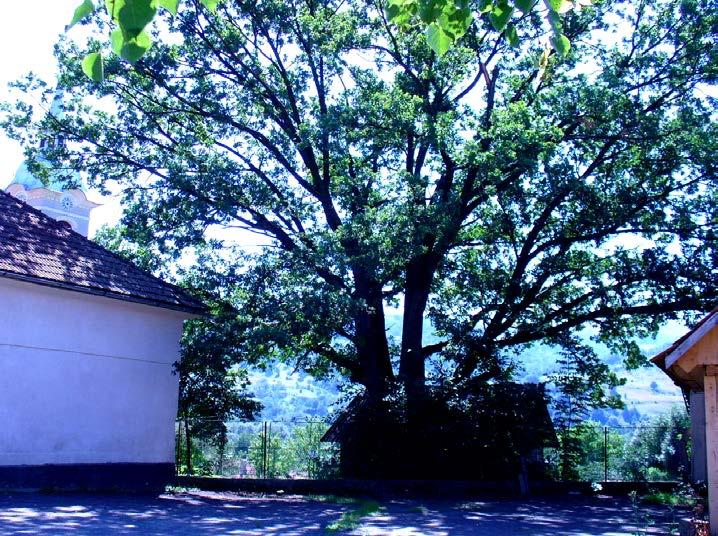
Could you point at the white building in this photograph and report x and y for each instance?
(88, 397)
(70, 206)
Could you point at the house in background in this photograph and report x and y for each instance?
(88, 395)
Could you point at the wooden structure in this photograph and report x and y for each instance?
(497, 433)
(692, 363)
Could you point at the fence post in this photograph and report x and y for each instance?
(605, 453)
(178, 447)
(270, 451)
(264, 450)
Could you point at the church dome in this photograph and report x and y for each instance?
(25, 178)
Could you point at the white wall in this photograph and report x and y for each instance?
(85, 379)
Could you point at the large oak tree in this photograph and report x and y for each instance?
(504, 193)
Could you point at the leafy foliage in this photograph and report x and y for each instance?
(129, 39)
(659, 450)
(582, 383)
(509, 197)
(298, 453)
(446, 21)
(655, 450)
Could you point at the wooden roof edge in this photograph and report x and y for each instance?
(668, 357)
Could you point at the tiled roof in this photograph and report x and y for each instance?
(36, 248)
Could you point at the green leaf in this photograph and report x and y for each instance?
(130, 49)
(438, 39)
(399, 12)
(170, 5)
(93, 68)
(394, 12)
(113, 8)
(429, 10)
(485, 6)
(500, 16)
(524, 5)
(211, 4)
(561, 44)
(512, 35)
(559, 6)
(555, 21)
(82, 11)
(117, 41)
(458, 22)
(135, 15)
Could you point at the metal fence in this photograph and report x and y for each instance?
(291, 450)
(599, 453)
(264, 449)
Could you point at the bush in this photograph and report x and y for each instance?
(660, 449)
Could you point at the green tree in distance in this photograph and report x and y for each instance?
(583, 382)
(506, 202)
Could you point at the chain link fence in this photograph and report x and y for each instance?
(589, 452)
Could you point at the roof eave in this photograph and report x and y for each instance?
(193, 311)
(692, 339)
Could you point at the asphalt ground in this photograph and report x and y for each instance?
(208, 513)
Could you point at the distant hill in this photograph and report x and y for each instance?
(648, 391)
(289, 396)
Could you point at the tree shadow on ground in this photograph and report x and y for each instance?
(209, 514)
(226, 513)
(581, 516)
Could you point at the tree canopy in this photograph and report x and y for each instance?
(445, 21)
(499, 194)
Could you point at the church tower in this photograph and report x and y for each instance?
(69, 206)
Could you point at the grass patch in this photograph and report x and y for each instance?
(664, 498)
(351, 519)
(180, 489)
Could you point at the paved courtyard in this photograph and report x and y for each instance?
(225, 513)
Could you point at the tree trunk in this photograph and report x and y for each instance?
(419, 432)
(371, 342)
(412, 370)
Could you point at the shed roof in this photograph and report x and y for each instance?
(523, 404)
(38, 249)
